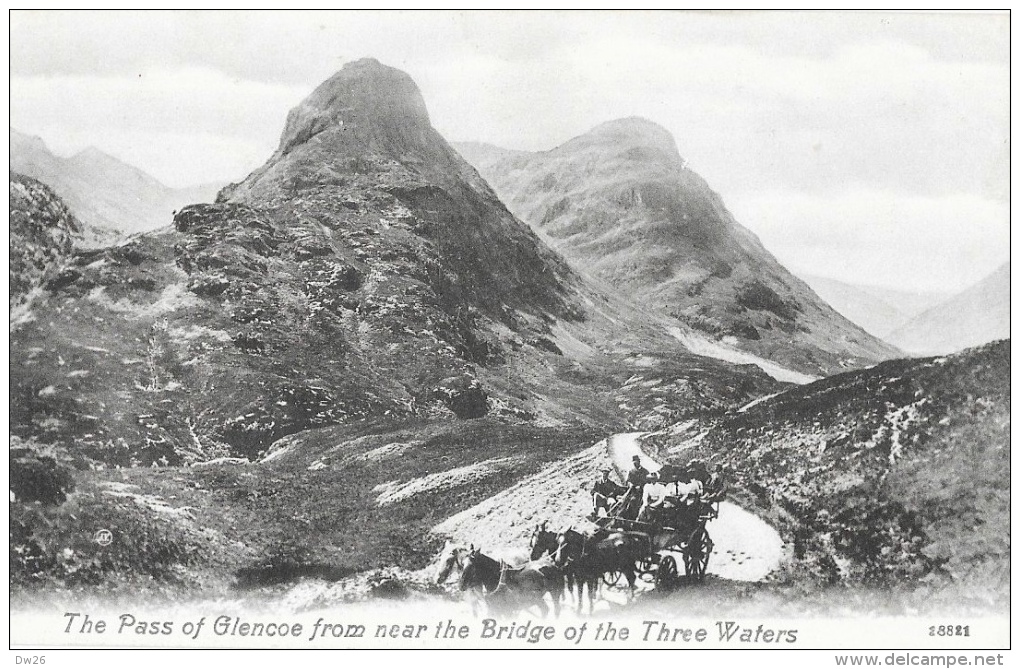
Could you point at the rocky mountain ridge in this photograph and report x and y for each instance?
(623, 206)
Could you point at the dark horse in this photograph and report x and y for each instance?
(527, 585)
(587, 558)
(543, 541)
(479, 573)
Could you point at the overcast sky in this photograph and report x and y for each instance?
(871, 148)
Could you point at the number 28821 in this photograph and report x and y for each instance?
(949, 630)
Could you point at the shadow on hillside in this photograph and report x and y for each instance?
(278, 573)
(287, 563)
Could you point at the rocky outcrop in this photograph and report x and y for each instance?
(463, 395)
(42, 231)
(37, 475)
(361, 146)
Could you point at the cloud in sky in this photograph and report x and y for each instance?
(815, 108)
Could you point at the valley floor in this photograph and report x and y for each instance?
(260, 516)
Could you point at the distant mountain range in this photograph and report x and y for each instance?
(622, 206)
(877, 309)
(975, 316)
(111, 198)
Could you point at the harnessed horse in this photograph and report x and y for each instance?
(587, 558)
(479, 573)
(543, 541)
(527, 585)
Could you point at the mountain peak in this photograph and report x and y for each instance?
(366, 101)
(638, 137)
(93, 155)
(633, 125)
(21, 141)
(620, 204)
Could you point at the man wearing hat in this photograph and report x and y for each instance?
(638, 476)
(715, 487)
(636, 480)
(604, 493)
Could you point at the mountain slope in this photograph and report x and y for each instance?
(621, 205)
(975, 316)
(364, 271)
(111, 197)
(40, 235)
(368, 128)
(878, 310)
(894, 474)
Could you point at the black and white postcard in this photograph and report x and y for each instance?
(511, 330)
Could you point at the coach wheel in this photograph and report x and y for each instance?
(666, 574)
(699, 549)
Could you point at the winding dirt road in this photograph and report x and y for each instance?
(746, 547)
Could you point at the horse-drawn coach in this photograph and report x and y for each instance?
(675, 524)
(633, 540)
(642, 535)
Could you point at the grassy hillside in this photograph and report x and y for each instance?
(326, 504)
(897, 474)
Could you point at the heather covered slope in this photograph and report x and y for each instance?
(891, 484)
(895, 475)
(621, 205)
(40, 234)
(364, 271)
(977, 315)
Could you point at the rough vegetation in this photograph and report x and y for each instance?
(313, 509)
(894, 475)
(41, 233)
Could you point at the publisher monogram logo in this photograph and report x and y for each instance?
(103, 537)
